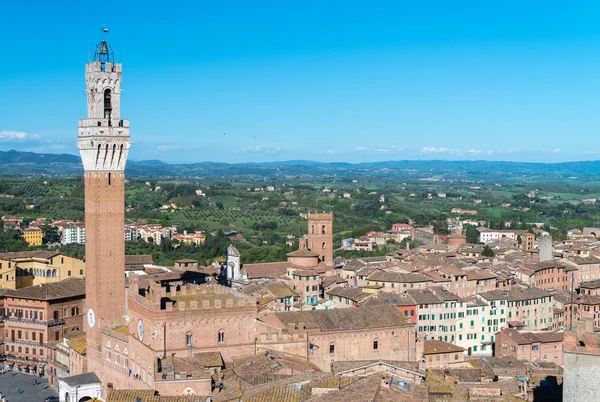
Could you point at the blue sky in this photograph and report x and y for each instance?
(237, 81)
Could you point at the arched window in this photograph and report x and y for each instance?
(109, 178)
(189, 339)
(107, 103)
(312, 229)
(376, 345)
(323, 229)
(54, 273)
(221, 336)
(324, 246)
(332, 347)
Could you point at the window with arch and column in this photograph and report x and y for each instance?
(189, 339)
(221, 336)
(323, 229)
(107, 103)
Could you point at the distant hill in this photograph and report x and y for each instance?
(17, 157)
(30, 163)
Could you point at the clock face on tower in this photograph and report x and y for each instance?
(91, 317)
(140, 330)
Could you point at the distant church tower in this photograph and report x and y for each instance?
(320, 236)
(103, 144)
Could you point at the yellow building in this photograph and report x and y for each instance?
(30, 268)
(190, 238)
(33, 236)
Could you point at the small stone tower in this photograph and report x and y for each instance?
(103, 144)
(320, 236)
(232, 264)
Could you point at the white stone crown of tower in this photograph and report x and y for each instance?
(103, 137)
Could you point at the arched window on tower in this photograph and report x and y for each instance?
(324, 246)
(312, 229)
(323, 229)
(107, 104)
(189, 339)
(221, 336)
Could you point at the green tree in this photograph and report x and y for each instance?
(488, 252)
(472, 235)
(50, 234)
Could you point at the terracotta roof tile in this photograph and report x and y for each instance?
(67, 288)
(345, 319)
(432, 347)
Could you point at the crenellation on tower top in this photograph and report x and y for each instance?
(103, 136)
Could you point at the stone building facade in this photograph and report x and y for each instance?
(326, 336)
(31, 268)
(34, 317)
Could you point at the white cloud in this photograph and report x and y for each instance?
(168, 147)
(434, 150)
(17, 136)
(504, 151)
(552, 151)
(361, 148)
(335, 152)
(389, 150)
(262, 149)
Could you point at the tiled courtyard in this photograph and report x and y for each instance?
(9, 385)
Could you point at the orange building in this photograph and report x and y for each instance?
(530, 346)
(31, 318)
(439, 354)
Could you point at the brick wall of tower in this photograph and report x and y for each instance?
(104, 250)
(320, 236)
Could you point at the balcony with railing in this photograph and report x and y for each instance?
(22, 320)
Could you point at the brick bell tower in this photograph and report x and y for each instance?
(103, 144)
(320, 236)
